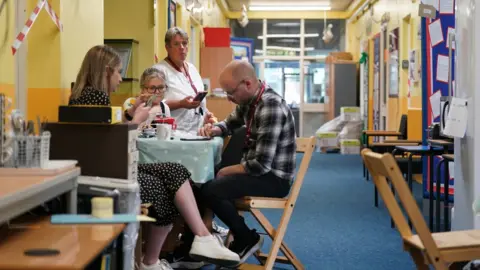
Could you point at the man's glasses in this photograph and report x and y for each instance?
(231, 93)
(156, 89)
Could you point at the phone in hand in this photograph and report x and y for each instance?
(200, 96)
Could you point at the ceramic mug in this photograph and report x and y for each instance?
(164, 131)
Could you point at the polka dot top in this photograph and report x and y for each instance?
(91, 96)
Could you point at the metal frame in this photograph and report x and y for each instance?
(304, 107)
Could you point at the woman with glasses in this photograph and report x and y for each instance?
(152, 83)
(165, 186)
(184, 82)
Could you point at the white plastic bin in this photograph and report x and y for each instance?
(128, 203)
(350, 147)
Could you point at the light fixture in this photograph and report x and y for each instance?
(287, 24)
(289, 35)
(288, 8)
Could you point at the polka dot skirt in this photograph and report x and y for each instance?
(159, 182)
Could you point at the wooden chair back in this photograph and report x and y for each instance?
(383, 166)
(305, 146)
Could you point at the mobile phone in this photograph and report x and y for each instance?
(196, 139)
(200, 96)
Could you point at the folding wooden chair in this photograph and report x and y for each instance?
(254, 204)
(438, 249)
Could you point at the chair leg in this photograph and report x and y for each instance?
(376, 196)
(418, 258)
(290, 257)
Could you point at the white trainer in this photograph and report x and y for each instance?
(159, 265)
(209, 249)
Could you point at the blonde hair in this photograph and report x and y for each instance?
(94, 70)
(151, 73)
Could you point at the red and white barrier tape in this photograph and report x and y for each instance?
(33, 16)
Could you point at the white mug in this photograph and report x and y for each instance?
(164, 131)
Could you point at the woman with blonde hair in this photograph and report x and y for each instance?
(165, 185)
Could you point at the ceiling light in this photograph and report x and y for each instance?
(287, 8)
(287, 24)
(289, 35)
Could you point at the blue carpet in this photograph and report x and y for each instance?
(335, 224)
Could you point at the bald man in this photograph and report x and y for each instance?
(268, 164)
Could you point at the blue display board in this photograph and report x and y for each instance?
(435, 51)
(242, 48)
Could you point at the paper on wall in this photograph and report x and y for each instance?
(456, 124)
(446, 6)
(436, 34)
(435, 103)
(442, 68)
(451, 169)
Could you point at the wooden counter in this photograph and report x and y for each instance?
(79, 245)
(19, 194)
(221, 107)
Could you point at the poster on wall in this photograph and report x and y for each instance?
(376, 84)
(393, 63)
(434, 63)
(242, 48)
(172, 14)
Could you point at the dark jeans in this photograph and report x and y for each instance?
(220, 193)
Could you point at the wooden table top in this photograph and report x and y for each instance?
(391, 144)
(440, 142)
(382, 133)
(79, 245)
(12, 184)
(449, 157)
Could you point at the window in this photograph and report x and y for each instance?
(283, 37)
(253, 30)
(314, 43)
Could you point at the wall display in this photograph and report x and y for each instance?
(172, 13)
(394, 64)
(242, 48)
(376, 84)
(435, 63)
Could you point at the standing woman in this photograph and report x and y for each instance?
(184, 82)
(165, 185)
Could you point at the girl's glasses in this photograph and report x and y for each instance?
(156, 89)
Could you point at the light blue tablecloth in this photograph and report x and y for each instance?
(199, 157)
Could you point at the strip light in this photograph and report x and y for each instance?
(287, 8)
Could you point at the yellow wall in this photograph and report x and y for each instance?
(54, 57)
(7, 63)
(403, 15)
(126, 19)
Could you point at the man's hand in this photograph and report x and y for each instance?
(230, 170)
(210, 119)
(209, 130)
(189, 103)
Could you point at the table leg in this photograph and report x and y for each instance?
(438, 197)
(72, 199)
(410, 180)
(364, 168)
(445, 197)
(430, 184)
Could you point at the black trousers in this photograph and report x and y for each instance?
(220, 193)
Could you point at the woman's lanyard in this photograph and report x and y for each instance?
(251, 115)
(187, 74)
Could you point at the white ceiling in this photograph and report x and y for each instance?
(339, 5)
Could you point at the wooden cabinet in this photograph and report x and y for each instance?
(341, 85)
(220, 107)
(212, 62)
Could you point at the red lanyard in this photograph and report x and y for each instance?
(251, 113)
(187, 74)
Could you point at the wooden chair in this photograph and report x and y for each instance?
(440, 250)
(254, 204)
